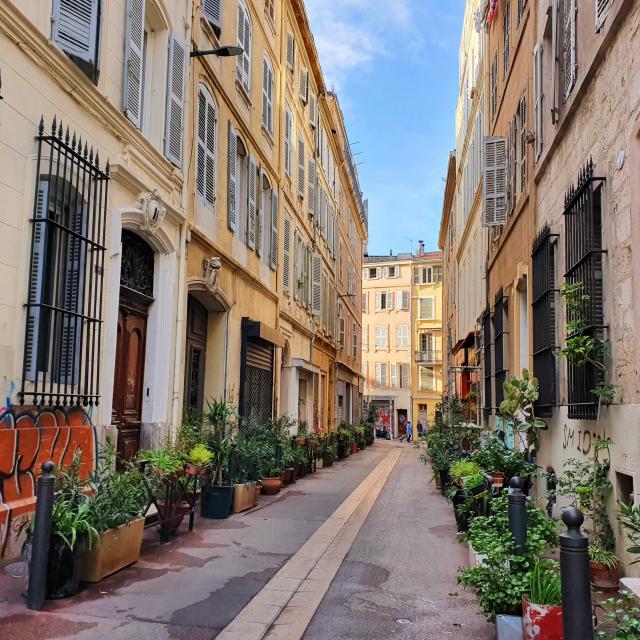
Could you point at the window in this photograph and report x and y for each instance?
(206, 147)
(354, 343)
(365, 337)
(522, 143)
(426, 309)
(291, 51)
(392, 271)
(506, 33)
(286, 254)
(241, 185)
(427, 379)
(267, 94)
(495, 206)
(365, 302)
(288, 151)
(500, 344)
(402, 300)
(301, 165)
(428, 275)
(402, 336)
(212, 11)
(494, 86)
(384, 300)
(569, 9)
(602, 11)
(243, 64)
(270, 9)
(267, 223)
(76, 30)
(405, 376)
(372, 273)
(62, 340)
(544, 320)
(341, 332)
(381, 374)
(393, 378)
(381, 337)
(538, 97)
(303, 88)
(583, 264)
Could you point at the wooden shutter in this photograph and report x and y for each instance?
(569, 47)
(251, 203)
(495, 182)
(291, 51)
(538, 97)
(378, 300)
(313, 109)
(75, 28)
(286, 255)
(399, 304)
(212, 11)
(273, 262)
(206, 148)
(394, 375)
(243, 63)
(287, 141)
(430, 308)
(304, 85)
(512, 163)
(267, 95)
(301, 165)
(312, 188)
(389, 300)
(316, 284)
(260, 216)
(175, 93)
(602, 10)
(232, 190)
(522, 117)
(133, 61)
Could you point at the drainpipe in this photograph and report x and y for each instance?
(175, 417)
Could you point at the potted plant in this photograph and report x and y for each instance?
(621, 618)
(542, 606)
(605, 568)
(117, 513)
(272, 481)
(199, 458)
(330, 454)
(303, 427)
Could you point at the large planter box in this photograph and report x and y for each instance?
(541, 622)
(319, 463)
(216, 501)
(243, 496)
(116, 548)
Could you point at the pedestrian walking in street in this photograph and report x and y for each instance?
(409, 431)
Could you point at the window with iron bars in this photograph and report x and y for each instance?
(500, 322)
(544, 293)
(61, 363)
(488, 376)
(506, 33)
(583, 263)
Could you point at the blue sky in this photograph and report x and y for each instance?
(395, 68)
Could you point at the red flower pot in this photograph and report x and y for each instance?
(541, 622)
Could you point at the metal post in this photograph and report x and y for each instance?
(577, 617)
(36, 591)
(518, 513)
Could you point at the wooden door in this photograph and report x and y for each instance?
(129, 380)
(195, 354)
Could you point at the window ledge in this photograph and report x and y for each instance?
(243, 92)
(268, 135)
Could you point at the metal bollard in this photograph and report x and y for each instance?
(37, 588)
(577, 617)
(518, 513)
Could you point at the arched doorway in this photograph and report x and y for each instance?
(195, 355)
(136, 296)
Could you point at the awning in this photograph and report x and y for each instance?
(256, 329)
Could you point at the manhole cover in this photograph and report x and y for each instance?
(403, 621)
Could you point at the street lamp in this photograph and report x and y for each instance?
(227, 51)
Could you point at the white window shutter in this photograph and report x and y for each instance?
(394, 375)
(133, 60)
(385, 272)
(274, 230)
(304, 85)
(232, 191)
(175, 97)
(291, 51)
(538, 97)
(430, 308)
(251, 203)
(316, 285)
(75, 28)
(287, 141)
(389, 300)
(378, 300)
(313, 109)
(312, 188)
(495, 182)
(301, 165)
(212, 11)
(286, 255)
(399, 299)
(260, 215)
(243, 61)
(206, 148)
(267, 91)
(569, 48)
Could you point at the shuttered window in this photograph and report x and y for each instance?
(494, 86)
(76, 30)
(175, 101)
(206, 147)
(232, 173)
(267, 94)
(291, 51)
(394, 375)
(495, 182)
(427, 379)
(286, 254)
(134, 61)
(602, 11)
(313, 110)
(402, 300)
(316, 284)
(381, 374)
(402, 336)
(506, 36)
(251, 203)
(312, 188)
(538, 97)
(301, 165)
(405, 376)
(426, 308)
(382, 337)
(303, 88)
(569, 9)
(243, 61)
(354, 343)
(522, 143)
(288, 125)
(212, 11)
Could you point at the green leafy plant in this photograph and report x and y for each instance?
(492, 455)
(200, 455)
(166, 459)
(607, 559)
(462, 468)
(72, 521)
(629, 517)
(544, 584)
(621, 618)
(606, 392)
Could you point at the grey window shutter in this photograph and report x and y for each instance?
(495, 182)
(75, 28)
(37, 280)
(301, 165)
(313, 109)
(291, 51)
(232, 190)
(243, 61)
(201, 152)
(274, 230)
(212, 125)
(206, 148)
(312, 187)
(175, 97)
(251, 203)
(316, 285)
(602, 10)
(286, 255)
(538, 97)
(134, 61)
(288, 118)
(569, 47)
(304, 85)
(260, 217)
(212, 11)
(522, 117)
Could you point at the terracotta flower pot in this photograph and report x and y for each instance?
(193, 469)
(354, 447)
(288, 476)
(541, 622)
(604, 578)
(271, 486)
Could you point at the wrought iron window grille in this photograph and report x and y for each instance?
(63, 332)
(500, 333)
(583, 264)
(544, 305)
(488, 375)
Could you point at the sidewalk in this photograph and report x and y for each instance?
(196, 584)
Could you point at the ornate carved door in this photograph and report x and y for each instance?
(136, 294)
(195, 354)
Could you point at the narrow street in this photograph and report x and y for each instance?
(323, 559)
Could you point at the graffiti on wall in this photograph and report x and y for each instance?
(580, 439)
(383, 419)
(29, 437)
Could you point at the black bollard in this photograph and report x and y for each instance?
(577, 617)
(518, 513)
(37, 588)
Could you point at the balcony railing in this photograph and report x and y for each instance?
(429, 357)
